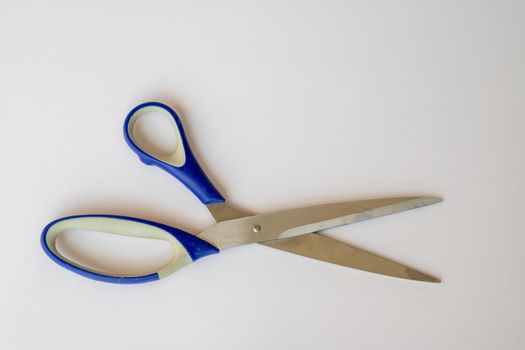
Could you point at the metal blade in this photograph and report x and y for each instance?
(324, 248)
(223, 212)
(316, 246)
(295, 222)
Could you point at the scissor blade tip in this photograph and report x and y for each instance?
(430, 200)
(420, 276)
(430, 279)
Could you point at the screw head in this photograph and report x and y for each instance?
(256, 228)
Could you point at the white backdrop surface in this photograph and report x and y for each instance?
(285, 103)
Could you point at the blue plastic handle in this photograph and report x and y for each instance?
(182, 164)
(186, 247)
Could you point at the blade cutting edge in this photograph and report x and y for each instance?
(295, 222)
(329, 250)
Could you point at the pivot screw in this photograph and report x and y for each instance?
(256, 228)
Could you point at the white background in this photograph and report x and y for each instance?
(286, 103)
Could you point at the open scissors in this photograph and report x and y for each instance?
(289, 230)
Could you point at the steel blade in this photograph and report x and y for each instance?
(295, 222)
(222, 212)
(324, 248)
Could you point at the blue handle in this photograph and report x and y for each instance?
(186, 247)
(182, 164)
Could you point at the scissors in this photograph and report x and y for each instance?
(292, 230)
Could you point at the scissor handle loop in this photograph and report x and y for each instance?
(186, 247)
(181, 163)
